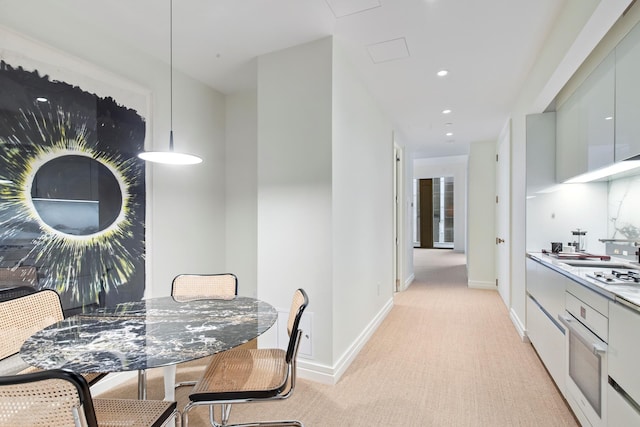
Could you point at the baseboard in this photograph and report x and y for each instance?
(331, 375)
(520, 328)
(479, 284)
(407, 283)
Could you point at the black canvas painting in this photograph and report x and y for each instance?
(72, 190)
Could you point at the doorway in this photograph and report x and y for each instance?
(433, 213)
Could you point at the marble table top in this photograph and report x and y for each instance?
(147, 334)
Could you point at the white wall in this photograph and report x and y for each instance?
(295, 183)
(241, 195)
(187, 210)
(456, 167)
(362, 170)
(185, 205)
(325, 200)
(481, 233)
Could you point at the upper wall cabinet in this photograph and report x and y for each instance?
(627, 124)
(571, 157)
(541, 152)
(585, 125)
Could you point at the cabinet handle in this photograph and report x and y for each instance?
(587, 337)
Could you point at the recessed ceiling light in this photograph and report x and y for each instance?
(41, 99)
(447, 111)
(449, 134)
(442, 73)
(609, 118)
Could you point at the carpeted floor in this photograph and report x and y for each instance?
(446, 355)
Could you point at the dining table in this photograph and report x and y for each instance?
(151, 333)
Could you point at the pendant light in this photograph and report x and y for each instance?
(170, 157)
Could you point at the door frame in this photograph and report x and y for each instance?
(399, 223)
(503, 214)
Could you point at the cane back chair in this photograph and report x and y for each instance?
(204, 285)
(251, 375)
(62, 398)
(187, 286)
(22, 317)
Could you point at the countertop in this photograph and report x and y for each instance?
(627, 294)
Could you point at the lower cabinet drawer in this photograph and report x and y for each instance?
(620, 412)
(548, 340)
(589, 316)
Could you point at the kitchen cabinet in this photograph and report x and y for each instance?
(585, 124)
(620, 411)
(541, 151)
(571, 159)
(545, 301)
(624, 352)
(627, 120)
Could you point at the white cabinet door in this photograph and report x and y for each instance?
(548, 340)
(619, 411)
(624, 349)
(571, 156)
(585, 124)
(545, 301)
(597, 107)
(541, 151)
(628, 96)
(547, 287)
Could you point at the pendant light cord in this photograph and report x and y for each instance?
(171, 75)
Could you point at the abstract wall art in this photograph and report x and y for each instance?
(72, 190)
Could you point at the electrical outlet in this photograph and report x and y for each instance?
(305, 349)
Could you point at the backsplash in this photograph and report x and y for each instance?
(623, 221)
(623, 211)
(551, 217)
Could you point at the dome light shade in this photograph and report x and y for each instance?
(170, 157)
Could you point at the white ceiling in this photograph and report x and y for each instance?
(488, 46)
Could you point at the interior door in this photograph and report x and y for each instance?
(503, 216)
(426, 213)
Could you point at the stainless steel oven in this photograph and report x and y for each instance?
(586, 362)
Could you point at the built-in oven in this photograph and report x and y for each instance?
(586, 361)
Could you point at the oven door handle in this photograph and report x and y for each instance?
(598, 347)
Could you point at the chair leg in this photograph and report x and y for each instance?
(226, 412)
(176, 418)
(212, 416)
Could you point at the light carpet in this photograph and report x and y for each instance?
(446, 355)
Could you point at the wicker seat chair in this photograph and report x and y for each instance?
(204, 285)
(62, 398)
(251, 375)
(22, 317)
(186, 286)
